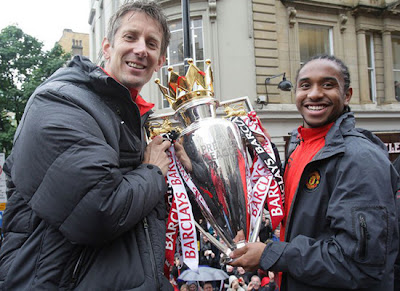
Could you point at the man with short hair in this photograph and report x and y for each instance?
(208, 286)
(340, 231)
(254, 284)
(86, 206)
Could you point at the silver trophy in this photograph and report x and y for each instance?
(218, 158)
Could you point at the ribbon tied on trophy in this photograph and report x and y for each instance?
(213, 168)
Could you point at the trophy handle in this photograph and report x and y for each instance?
(255, 231)
(223, 248)
(239, 100)
(158, 124)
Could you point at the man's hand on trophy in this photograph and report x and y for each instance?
(248, 256)
(260, 138)
(155, 154)
(182, 155)
(239, 236)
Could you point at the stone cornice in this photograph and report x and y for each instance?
(392, 9)
(316, 6)
(335, 6)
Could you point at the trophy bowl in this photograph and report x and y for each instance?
(218, 169)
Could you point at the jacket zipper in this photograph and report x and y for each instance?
(364, 236)
(152, 256)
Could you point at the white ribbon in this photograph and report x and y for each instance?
(187, 229)
(259, 194)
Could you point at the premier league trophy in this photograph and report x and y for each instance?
(218, 167)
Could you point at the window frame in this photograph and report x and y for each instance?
(371, 69)
(395, 37)
(330, 37)
(395, 71)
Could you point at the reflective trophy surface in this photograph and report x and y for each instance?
(218, 160)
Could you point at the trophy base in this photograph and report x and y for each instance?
(225, 258)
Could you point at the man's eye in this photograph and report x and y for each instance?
(327, 85)
(128, 37)
(304, 85)
(153, 45)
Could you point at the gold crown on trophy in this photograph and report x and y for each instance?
(182, 89)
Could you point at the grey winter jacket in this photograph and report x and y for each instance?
(78, 193)
(342, 227)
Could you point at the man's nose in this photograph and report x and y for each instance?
(140, 48)
(315, 92)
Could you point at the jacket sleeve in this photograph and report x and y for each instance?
(70, 175)
(363, 239)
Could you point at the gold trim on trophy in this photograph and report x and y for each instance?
(231, 111)
(157, 128)
(195, 85)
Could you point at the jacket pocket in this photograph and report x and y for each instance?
(77, 268)
(81, 265)
(364, 236)
(370, 226)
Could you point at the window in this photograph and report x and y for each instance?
(396, 65)
(371, 66)
(175, 56)
(314, 40)
(77, 48)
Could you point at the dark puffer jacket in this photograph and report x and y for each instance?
(80, 201)
(341, 232)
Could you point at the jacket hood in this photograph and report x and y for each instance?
(345, 126)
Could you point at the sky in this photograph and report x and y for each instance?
(46, 19)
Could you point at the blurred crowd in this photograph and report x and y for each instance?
(237, 278)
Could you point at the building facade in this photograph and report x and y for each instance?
(253, 44)
(76, 43)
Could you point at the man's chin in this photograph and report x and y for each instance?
(314, 123)
(133, 84)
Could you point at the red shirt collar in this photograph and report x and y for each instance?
(309, 134)
(143, 105)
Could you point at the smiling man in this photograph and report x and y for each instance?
(340, 230)
(134, 50)
(86, 206)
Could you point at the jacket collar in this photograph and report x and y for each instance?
(334, 142)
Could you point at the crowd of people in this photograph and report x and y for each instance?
(237, 278)
(86, 193)
(233, 283)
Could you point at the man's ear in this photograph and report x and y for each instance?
(348, 95)
(161, 61)
(106, 46)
